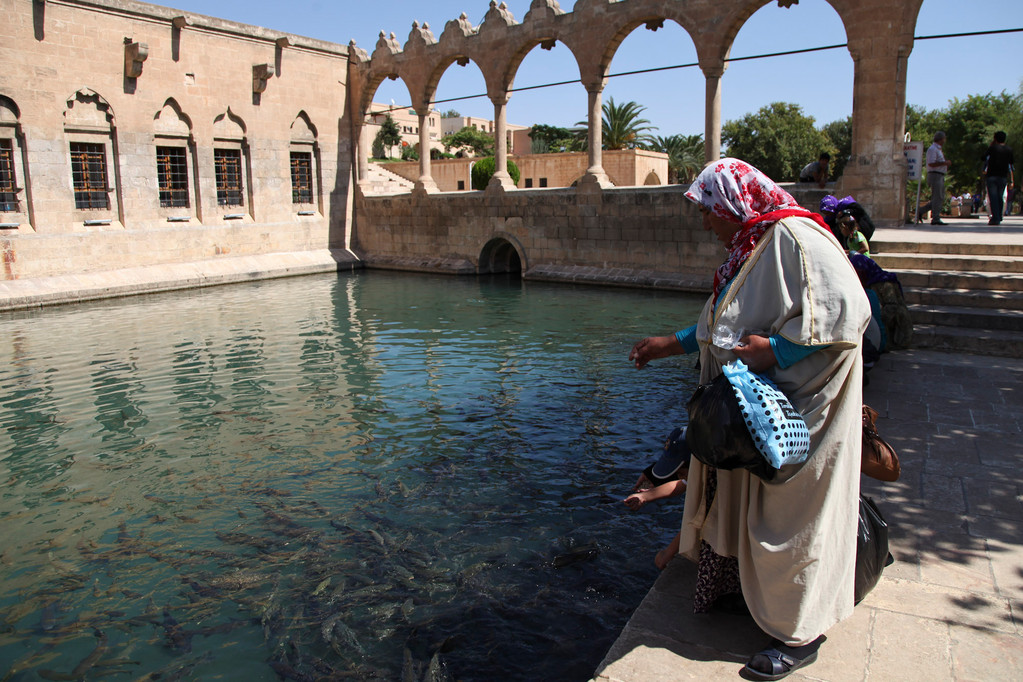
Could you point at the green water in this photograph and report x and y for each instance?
(331, 477)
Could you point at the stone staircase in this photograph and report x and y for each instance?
(965, 295)
(379, 180)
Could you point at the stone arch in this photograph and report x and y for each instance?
(9, 111)
(433, 79)
(652, 179)
(652, 22)
(170, 120)
(502, 254)
(302, 129)
(86, 108)
(373, 84)
(228, 125)
(515, 61)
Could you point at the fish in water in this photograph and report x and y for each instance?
(575, 555)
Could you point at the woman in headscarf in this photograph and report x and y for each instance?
(787, 288)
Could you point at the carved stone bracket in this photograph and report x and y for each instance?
(134, 55)
(261, 73)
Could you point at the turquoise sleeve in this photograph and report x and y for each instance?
(788, 353)
(687, 337)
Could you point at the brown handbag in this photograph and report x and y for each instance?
(879, 459)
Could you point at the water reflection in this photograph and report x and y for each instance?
(376, 475)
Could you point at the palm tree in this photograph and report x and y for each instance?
(685, 155)
(622, 127)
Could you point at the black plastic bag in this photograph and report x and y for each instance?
(872, 553)
(717, 433)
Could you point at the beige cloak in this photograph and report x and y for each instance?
(795, 537)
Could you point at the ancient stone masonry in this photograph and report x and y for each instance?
(135, 135)
(880, 35)
(132, 135)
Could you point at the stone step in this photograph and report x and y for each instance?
(994, 342)
(949, 262)
(969, 298)
(980, 281)
(968, 318)
(960, 249)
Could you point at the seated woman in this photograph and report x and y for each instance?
(852, 237)
(887, 302)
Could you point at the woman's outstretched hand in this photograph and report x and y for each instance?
(756, 352)
(653, 348)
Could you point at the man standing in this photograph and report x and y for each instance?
(816, 171)
(937, 166)
(998, 168)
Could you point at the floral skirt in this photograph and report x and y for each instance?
(716, 575)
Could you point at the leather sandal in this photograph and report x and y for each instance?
(778, 661)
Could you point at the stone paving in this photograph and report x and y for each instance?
(951, 606)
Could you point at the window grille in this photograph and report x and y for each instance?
(301, 178)
(172, 176)
(8, 187)
(228, 164)
(89, 175)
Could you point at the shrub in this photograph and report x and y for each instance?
(484, 169)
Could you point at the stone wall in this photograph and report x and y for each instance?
(635, 236)
(133, 78)
(625, 167)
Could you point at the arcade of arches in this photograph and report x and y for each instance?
(879, 33)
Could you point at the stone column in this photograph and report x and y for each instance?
(595, 174)
(712, 115)
(876, 171)
(501, 176)
(425, 182)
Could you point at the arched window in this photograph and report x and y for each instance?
(175, 162)
(231, 164)
(13, 180)
(306, 188)
(89, 129)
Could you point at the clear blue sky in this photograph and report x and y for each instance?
(820, 82)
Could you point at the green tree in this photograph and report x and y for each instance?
(550, 139)
(969, 125)
(779, 139)
(621, 125)
(484, 169)
(840, 134)
(388, 135)
(685, 155)
(470, 138)
(451, 113)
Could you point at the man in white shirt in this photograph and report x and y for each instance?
(937, 167)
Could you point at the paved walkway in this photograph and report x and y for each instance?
(951, 606)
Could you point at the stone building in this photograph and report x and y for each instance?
(133, 135)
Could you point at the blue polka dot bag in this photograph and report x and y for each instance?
(778, 430)
(741, 420)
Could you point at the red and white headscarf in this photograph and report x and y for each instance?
(738, 192)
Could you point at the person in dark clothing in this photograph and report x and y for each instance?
(998, 171)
